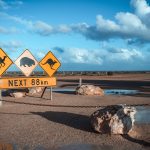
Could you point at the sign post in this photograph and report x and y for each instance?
(27, 63)
(50, 64)
(51, 97)
(5, 62)
(0, 96)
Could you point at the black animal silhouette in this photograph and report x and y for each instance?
(2, 63)
(51, 63)
(25, 61)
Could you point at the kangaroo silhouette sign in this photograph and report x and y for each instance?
(26, 62)
(50, 63)
(5, 62)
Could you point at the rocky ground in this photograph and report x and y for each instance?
(64, 123)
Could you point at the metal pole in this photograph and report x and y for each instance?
(80, 81)
(0, 96)
(43, 92)
(51, 92)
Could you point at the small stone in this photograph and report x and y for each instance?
(35, 90)
(17, 94)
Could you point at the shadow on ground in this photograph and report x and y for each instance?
(141, 142)
(76, 121)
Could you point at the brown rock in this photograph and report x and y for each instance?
(35, 90)
(117, 119)
(17, 94)
(89, 90)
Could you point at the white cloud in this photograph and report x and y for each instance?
(26, 23)
(99, 56)
(10, 4)
(142, 10)
(86, 56)
(64, 28)
(42, 28)
(107, 24)
(126, 55)
(3, 5)
(11, 44)
(39, 27)
(11, 30)
(129, 21)
(141, 7)
(40, 54)
(125, 26)
(78, 55)
(16, 3)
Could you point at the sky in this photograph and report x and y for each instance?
(85, 35)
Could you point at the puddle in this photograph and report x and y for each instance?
(120, 92)
(63, 90)
(107, 91)
(143, 115)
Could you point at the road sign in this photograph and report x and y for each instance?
(26, 62)
(11, 83)
(5, 62)
(50, 63)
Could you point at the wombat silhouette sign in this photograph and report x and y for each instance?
(5, 62)
(26, 63)
(50, 63)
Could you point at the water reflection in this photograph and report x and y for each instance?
(120, 92)
(142, 115)
(107, 91)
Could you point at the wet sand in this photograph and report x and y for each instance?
(63, 123)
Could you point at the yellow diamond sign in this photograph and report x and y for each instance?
(50, 63)
(5, 62)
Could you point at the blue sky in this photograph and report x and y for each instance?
(83, 34)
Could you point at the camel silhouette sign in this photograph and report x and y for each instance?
(50, 63)
(26, 63)
(5, 62)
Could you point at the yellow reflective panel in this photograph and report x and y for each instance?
(5, 62)
(50, 63)
(10, 83)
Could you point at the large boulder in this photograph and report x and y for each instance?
(116, 119)
(89, 90)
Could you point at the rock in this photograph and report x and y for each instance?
(89, 90)
(1, 103)
(123, 121)
(116, 119)
(17, 94)
(101, 118)
(35, 90)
